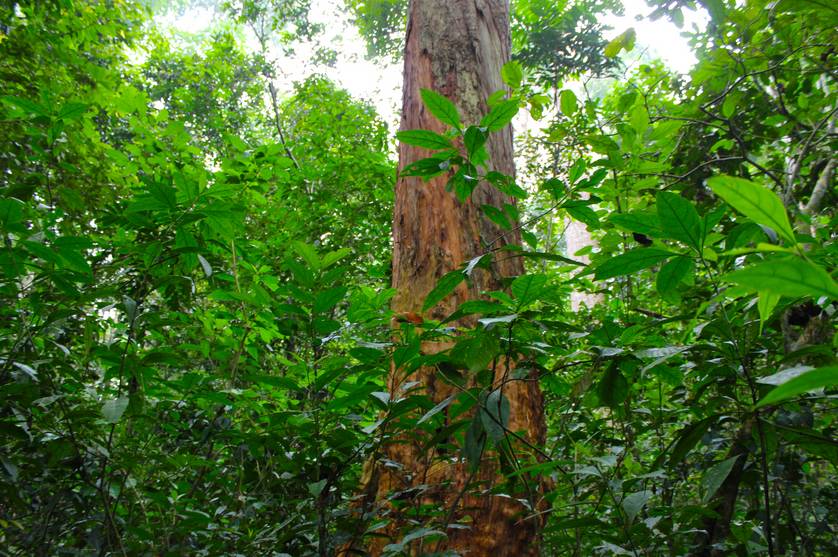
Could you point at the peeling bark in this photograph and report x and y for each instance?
(457, 48)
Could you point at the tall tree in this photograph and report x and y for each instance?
(455, 48)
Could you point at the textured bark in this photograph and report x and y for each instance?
(457, 48)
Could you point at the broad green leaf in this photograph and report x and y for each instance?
(630, 262)
(307, 253)
(316, 488)
(72, 111)
(512, 74)
(688, 437)
(113, 409)
(528, 288)
(495, 415)
(445, 286)
(613, 387)
(766, 303)
(715, 476)
(641, 222)
(803, 383)
(672, 273)
(679, 219)
(634, 502)
(624, 40)
(474, 139)
(475, 353)
(499, 116)
(328, 299)
(568, 102)
(759, 204)
(424, 138)
(791, 276)
(442, 108)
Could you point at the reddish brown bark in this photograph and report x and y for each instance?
(457, 48)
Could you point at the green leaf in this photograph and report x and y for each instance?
(512, 74)
(205, 265)
(715, 476)
(30, 107)
(679, 219)
(436, 409)
(766, 303)
(613, 387)
(630, 262)
(641, 222)
(113, 409)
(688, 437)
(759, 204)
(316, 488)
(328, 299)
(307, 253)
(424, 138)
(475, 439)
(568, 102)
(442, 108)
(624, 40)
(803, 383)
(72, 111)
(495, 415)
(791, 276)
(474, 139)
(475, 353)
(672, 273)
(528, 288)
(445, 286)
(500, 115)
(634, 502)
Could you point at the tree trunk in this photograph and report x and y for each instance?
(456, 48)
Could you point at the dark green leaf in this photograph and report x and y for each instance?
(446, 285)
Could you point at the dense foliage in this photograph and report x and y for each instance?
(194, 288)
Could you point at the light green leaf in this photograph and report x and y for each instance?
(113, 408)
(766, 304)
(424, 138)
(630, 262)
(791, 276)
(442, 108)
(634, 502)
(512, 74)
(803, 383)
(307, 253)
(715, 476)
(679, 219)
(568, 102)
(755, 202)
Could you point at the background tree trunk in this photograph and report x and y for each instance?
(457, 48)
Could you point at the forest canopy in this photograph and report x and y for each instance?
(589, 299)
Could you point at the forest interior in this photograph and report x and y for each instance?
(475, 278)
